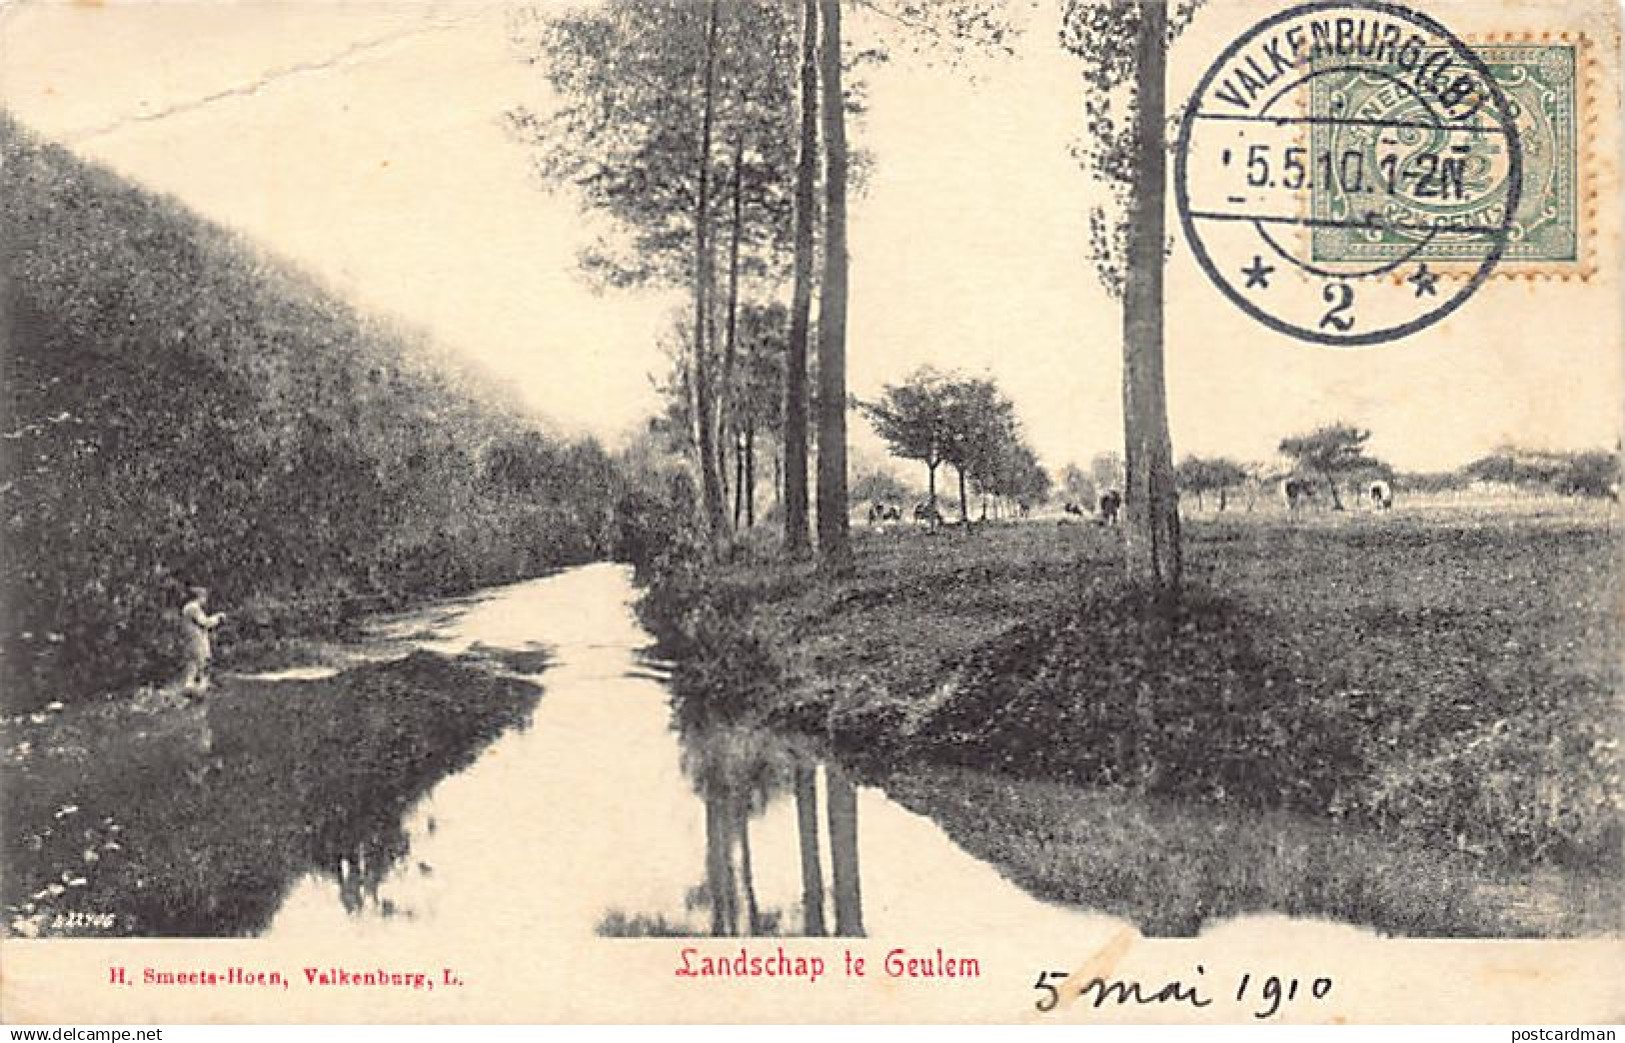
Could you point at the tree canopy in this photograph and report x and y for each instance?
(913, 419)
(967, 422)
(1198, 475)
(1334, 452)
(626, 134)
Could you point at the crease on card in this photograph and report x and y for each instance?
(1098, 964)
(271, 78)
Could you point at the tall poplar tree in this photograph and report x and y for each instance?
(1123, 46)
(797, 537)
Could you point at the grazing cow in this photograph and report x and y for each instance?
(879, 513)
(1072, 508)
(1381, 494)
(927, 513)
(1110, 504)
(1297, 491)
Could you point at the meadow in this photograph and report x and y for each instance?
(1407, 718)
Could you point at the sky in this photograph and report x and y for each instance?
(364, 142)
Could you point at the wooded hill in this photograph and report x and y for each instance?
(182, 409)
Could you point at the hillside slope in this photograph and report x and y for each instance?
(181, 409)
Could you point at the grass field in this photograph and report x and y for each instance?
(1410, 717)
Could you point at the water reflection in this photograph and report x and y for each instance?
(604, 817)
(363, 867)
(743, 776)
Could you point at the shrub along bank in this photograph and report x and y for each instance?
(1453, 687)
(181, 409)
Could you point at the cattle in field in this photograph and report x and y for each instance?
(1110, 504)
(880, 513)
(927, 514)
(1072, 508)
(1381, 495)
(1297, 492)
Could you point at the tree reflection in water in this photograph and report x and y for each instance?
(361, 861)
(843, 850)
(738, 771)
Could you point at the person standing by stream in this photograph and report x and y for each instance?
(198, 627)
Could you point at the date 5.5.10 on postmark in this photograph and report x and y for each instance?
(1367, 120)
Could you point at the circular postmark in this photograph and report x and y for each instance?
(1348, 122)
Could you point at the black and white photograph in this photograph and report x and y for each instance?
(982, 511)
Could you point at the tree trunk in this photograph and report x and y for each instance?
(843, 852)
(1151, 502)
(739, 480)
(797, 533)
(722, 440)
(750, 474)
(1221, 500)
(719, 874)
(833, 523)
(812, 870)
(726, 421)
(1331, 483)
(964, 505)
(747, 872)
(711, 494)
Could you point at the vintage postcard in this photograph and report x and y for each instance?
(1027, 511)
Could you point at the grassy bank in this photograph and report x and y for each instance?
(1174, 867)
(118, 820)
(183, 409)
(1432, 692)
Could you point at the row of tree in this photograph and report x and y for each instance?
(966, 422)
(1334, 454)
(1335, 457)
(1594, 472)
(683, 123)
(714, 136)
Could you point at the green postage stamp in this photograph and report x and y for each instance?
(1365, 113)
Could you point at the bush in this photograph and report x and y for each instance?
(1545, 784)
(182, 409)
(1169, 698)
(1180, 701)
(1591, 474)
(656, 530)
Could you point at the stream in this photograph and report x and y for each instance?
(601, 818)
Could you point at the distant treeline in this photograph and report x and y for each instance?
(1592, 472)
(179, 409)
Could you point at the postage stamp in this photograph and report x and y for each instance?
(1364, 120)
(634, 512)
(1543, 84)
